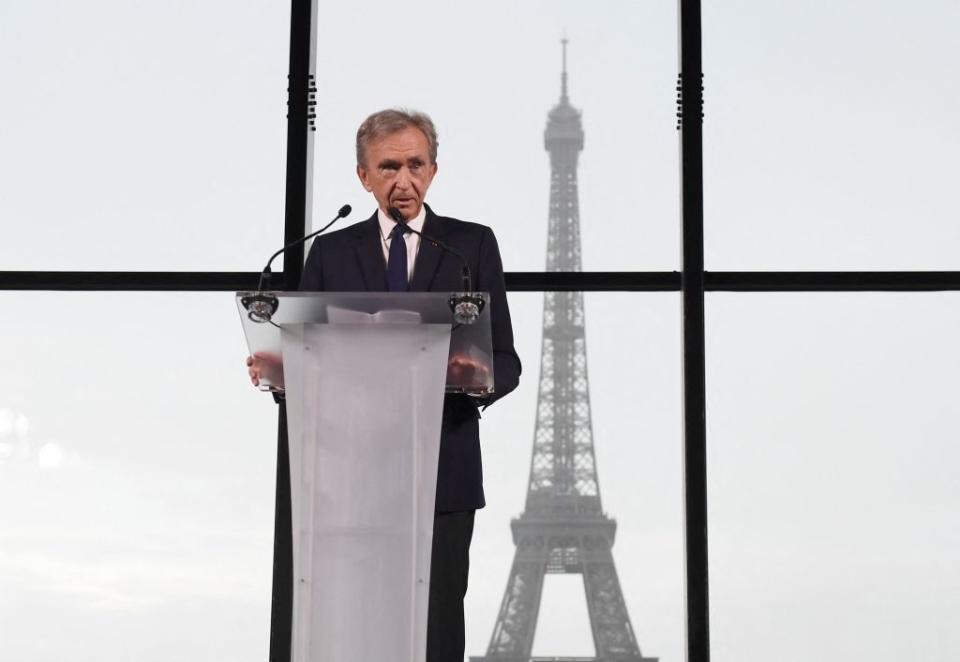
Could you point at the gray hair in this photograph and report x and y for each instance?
(385, 122)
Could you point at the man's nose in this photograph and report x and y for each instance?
(403, 177)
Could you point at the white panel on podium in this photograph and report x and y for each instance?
(364, 406)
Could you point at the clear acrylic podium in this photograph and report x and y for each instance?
(365, 376)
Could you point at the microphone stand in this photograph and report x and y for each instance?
(466, 305)
(261, 305)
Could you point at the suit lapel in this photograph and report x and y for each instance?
(370, 256)
(429, 254)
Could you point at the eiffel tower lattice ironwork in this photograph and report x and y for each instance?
(563, 528)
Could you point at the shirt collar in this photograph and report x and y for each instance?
(387, 223)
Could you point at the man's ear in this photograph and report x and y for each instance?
(364, 175)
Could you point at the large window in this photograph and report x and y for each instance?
(830, 135)
(137, 473)
(635, 411)
(141, 136)
(488, 75)
(832, 476)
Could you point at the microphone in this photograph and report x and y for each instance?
(466, 305)
(260, 306)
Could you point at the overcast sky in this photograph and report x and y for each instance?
(137, 466)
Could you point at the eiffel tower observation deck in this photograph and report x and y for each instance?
(563, 528)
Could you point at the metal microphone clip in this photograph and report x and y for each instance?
(260, 306)
(466, 307)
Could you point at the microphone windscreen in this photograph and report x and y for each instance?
(345, 211)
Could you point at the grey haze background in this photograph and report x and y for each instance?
(137, 467)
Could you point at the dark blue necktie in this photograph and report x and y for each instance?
(397, 261)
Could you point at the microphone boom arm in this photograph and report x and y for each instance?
(466, 306)
(343, 213)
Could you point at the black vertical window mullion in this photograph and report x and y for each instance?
(690, 89)
(300, 94)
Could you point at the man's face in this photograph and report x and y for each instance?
(398, 171)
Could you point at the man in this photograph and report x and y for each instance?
(396, 162)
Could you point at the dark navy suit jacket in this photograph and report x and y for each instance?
(351, 260)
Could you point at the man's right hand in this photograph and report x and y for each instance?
(266, 366)
(465, 371)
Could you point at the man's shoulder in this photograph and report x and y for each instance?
(347, 235)
(457, 227)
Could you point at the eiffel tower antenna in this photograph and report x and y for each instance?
(563, 528)
(563, 76)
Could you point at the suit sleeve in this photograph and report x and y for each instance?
(489, 278)
(312, 278)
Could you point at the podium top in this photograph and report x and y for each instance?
(471, 354)
(324, 307)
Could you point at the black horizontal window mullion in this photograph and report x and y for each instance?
(133, 281)
(832, 281)
(593, 281)
(517, 281)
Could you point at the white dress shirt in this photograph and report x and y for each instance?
(412, 240)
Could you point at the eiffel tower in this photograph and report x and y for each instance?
(563, 528)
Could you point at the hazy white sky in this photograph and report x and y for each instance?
(137, 466)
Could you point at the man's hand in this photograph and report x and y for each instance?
(265, 366)
(463, 370)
